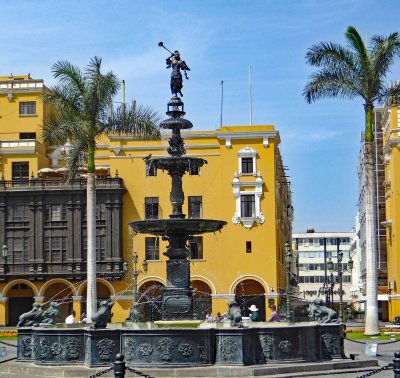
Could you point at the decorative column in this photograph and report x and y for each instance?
(39, 299)
(3, 311)
(77, 306)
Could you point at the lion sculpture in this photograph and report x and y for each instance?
(234, 314)
(52, 314)
(32, 317)
(103, 315)
(320, 313)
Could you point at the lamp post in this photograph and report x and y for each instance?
(136, 273)
(340, 269)
(4, 253)
(288, 266)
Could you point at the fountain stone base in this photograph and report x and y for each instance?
(182, 347)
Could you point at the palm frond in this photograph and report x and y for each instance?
(331, 55)
(383, 52)
(326, 83)
(140, 121)
(69, 76)
(74, 158)
(391, 95)
(356, 43)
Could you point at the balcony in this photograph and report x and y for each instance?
(69, 270)
(58, 184)
(18, 146)
(21, 86)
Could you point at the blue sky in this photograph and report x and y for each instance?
(219, 39)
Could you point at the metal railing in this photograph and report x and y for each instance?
(59, 183)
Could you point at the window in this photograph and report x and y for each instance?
(101, 213)
(17, 213)
(27, 135)
(27, 108)
(195, 208)
(247, 161)
(247, 165)
(248, 247)
(55, 213)
(247, 206)
(55, 248)
(17, 242)
(152, 247)
(20, 170)
(151, 208)
(100, 247)
(196, 248)
(151, 169)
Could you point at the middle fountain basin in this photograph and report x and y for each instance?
(180, 347)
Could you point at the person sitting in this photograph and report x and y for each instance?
(274, 315)
(218, 318)
(209, 318)
(70, 319)
(254, 313)
(83, 318)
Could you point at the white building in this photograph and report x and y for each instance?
(313, 251)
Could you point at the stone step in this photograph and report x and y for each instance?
(20, 369)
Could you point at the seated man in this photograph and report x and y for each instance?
(274, 315)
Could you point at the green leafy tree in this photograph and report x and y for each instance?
(357, 70)
(80, 112)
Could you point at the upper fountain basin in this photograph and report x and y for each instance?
(176, 123)
(162, 227)
(177, 161)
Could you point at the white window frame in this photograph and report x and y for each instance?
(247, 152)
(252, 188)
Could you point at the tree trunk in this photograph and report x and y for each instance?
(91, 296)
(371, 318)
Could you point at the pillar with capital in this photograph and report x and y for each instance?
(77, 306)
(3, 311)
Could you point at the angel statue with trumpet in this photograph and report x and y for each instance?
(177, 65)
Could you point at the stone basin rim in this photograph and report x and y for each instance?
(177, 226)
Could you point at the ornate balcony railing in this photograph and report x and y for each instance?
(39, 271)
(59, 183)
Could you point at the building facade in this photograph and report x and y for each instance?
(42, 217)
(391, 186)
(313, 251)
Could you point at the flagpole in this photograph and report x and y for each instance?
(251, 98)
(222, 101)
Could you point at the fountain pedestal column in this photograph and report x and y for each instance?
(177, 300)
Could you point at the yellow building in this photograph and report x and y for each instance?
(42, 218)
(391, 157)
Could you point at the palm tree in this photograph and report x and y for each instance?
(349, 72)
(80, 112)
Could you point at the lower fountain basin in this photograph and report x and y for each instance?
(180, 347)
(167, 227)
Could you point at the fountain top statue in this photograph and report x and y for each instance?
(177, 65)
